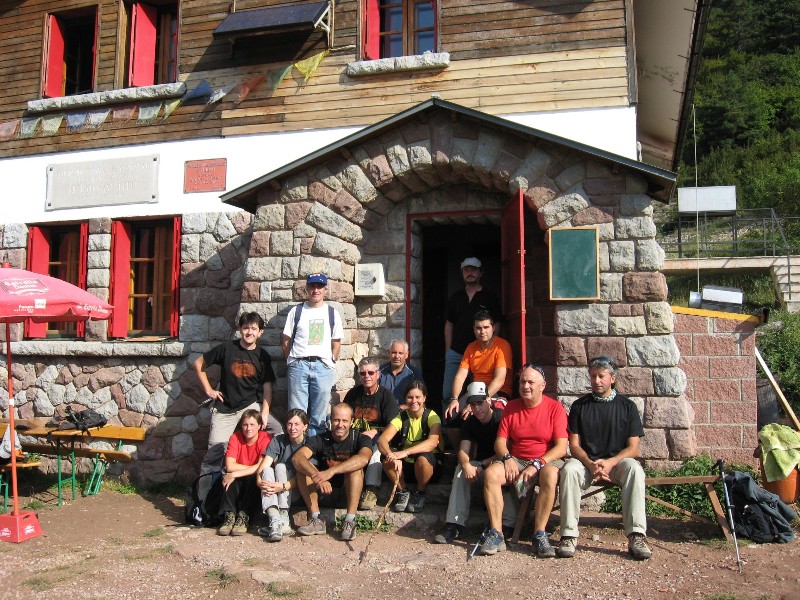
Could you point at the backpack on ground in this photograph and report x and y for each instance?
(759, 515)
(203, 500)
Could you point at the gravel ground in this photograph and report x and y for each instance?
(127, 546)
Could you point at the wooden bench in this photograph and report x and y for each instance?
(7, 469)
(707, 481)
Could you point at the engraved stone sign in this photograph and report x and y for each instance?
(205, 175)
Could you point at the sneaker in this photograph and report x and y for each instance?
(314, 527)
(241, 524)
(286, 524)
(451, 532)
(369, 500)
(541, 545)
(401, 501)
(637, 547)
(566, 547)
(273, 532)
(416, 503)
(492, 543)
(227, 524)
(348, 531)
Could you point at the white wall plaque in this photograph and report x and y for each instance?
(369, 280)
(109, 182)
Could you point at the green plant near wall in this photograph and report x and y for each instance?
(779, 343)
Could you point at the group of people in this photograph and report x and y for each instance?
(384, 426)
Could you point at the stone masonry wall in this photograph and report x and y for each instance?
(717, 355)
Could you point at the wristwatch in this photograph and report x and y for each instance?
(506, 456)
(537, 463)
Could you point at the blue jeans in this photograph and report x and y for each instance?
(310, 390)
(452, 360)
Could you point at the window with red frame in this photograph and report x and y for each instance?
(145, 277)
(59, 251)
(70, 53)
(398, 28)
(152, 43)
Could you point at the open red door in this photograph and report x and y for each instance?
(513, 267)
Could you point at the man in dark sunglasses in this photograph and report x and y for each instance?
(374, 407)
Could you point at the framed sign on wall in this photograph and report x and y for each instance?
(574, 263)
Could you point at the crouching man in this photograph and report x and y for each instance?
(604, 430)
(341, 455)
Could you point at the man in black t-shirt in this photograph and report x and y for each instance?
(374, 407)
(459, 315)
(341, 455)
(245, 382)
(476, 452)
(604, 429)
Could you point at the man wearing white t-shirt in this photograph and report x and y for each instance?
(311, 344)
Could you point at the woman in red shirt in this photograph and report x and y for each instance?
(240, 495)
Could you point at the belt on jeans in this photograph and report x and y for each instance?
(309, 358)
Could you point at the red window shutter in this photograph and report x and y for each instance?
(54, 59)
(38, 262)
(83, 269)
(120, 278)
(142, 51)
(174, 318)
(371, 28)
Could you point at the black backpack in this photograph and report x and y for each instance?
(203, 500)
(759, 515)
(399, 440)
(85, 419)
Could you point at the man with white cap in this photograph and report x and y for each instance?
(312, 338)
(459, 314)
(475, 454)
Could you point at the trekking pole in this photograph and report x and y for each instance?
(721, 467)
(480, 541)
(379, 523)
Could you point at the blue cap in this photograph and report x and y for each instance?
(317, 278)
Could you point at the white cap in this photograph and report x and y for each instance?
(476, 391)
(471, 262)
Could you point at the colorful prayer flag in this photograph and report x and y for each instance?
(28, 126)
(248, 86)
(148, 112)
(8, 129)
(310, 65)
(75, 121)
(51, 124)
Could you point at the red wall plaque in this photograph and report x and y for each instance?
(205, 175)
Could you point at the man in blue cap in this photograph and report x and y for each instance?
(312, 338)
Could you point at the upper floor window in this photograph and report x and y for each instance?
(70, 53)
(145, 277)
(398, 28)
(152, 48)
(58, 251)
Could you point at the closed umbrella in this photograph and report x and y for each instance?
(27, 295)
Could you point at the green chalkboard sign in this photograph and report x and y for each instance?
(574, 267)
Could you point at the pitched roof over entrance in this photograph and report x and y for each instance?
(660, 182)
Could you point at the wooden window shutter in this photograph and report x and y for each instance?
(54, 71)
(83, 268)
(174, 319)
(371, 28)
(38, 262)
(142, 51)
(120, 278)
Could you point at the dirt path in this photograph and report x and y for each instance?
(127, 546)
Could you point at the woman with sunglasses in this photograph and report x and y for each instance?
(410, 446)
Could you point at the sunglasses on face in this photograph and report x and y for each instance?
(366, 373)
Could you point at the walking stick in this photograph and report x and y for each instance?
(480, 541)
(721, 467)
(379, 523)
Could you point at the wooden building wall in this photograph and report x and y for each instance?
(506, 57)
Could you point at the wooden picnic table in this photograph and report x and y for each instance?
(67, 443)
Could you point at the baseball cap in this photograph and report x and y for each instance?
(317, 278)
(471, 262)
(476, 391)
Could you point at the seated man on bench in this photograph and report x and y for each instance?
(604, 430)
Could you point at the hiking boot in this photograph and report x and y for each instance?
(401, 501)
(227, 524)
(241, 524)
(637, 547)
(450, 532)
(493, 543)
(541, 545)
(369, 500)
(314, 527)
(416, 503)
(348, 531)
(566, 547)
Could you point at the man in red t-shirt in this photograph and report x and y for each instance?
(531, 441)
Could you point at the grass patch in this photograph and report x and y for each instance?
(35, 504)
(734, 597)
(161, 550)
(283, 591)
(222, 578)
(116, 540)
(252, 561)
(364, 524)
(121, 487)
(38, 583)
(154, 532)
(758, 288)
